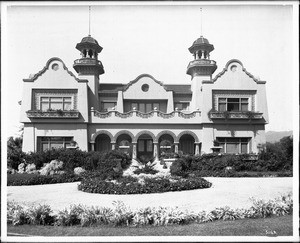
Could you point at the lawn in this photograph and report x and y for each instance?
(246, 227)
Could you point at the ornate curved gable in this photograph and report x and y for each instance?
(145, 87)
(143, 76)
(229, 65)
(48, 66)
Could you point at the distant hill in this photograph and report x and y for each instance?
(273, 137)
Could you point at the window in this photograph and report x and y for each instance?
(142, 107)
(233, 104)
(145, 107)
(108, 106)
(234, 145)
(55, 103)
(182, 106)
(54, 99)
(45, 143)
(134, 105)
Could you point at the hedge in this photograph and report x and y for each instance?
(34, 179)
(131, 185)
(225, 165)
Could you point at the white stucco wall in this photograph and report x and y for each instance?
(210, 132)
(49, 79)
(32, 131)
(237, 80)
(156, 91)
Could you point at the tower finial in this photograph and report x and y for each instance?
(201, 20)
(89, 20)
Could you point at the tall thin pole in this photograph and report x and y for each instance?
(89, 20)
(201, 20)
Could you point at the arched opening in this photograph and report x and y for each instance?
(103, 143)
(90, 53)
(145, 148)
(187, 144)
(124, 143)
(166, 144)
(84, 53)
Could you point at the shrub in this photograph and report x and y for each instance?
(146, 169)
(40, 215)
(21, 168)
(225, 213)
(52, 168)
(70, 158)
(78, 170)
(69, 218)
(16, 214)
(31, 169)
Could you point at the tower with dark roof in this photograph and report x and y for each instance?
(200, 69)
(89, 67)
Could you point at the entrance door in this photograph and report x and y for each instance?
(145, 148)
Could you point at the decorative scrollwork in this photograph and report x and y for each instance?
(144, 115)
(187, 115)
(102, 115)
(166, 115)
(123, 115)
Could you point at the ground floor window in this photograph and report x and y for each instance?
(234, 145)
(45, 143)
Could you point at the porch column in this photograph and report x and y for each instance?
(155, 150)
(93, 146)
(197, 149)
(176, 147)
(134, 150)
(113, 145)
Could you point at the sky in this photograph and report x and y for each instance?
(152, 38)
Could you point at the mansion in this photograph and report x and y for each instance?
(226, 113)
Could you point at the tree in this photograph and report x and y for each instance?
(15, 156)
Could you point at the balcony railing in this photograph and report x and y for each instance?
(52, 114)
(201, 62)
(150, 117)
(87, 61)
(235, 115)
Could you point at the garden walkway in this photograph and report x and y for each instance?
(233, 192)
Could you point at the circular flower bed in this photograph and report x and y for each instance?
(134, 185)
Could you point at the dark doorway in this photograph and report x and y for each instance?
(103, 143)
(145, 148)
(187, 144)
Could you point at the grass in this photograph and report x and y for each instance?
(246, 227)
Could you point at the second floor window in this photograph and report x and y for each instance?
(233, 104)
(145, 107)
(182, 106)
(55, 103)
(108, 106)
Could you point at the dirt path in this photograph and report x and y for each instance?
(233, 192)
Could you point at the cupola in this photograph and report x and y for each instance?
(88, 64)
(201, 65)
